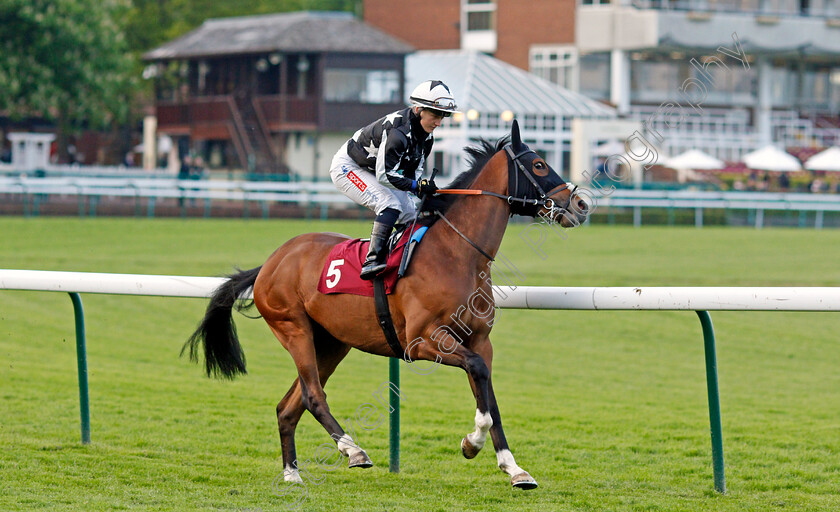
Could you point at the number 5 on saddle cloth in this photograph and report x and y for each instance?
(341, 270)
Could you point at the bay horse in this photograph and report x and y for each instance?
(447, 268)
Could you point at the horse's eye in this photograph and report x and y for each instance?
(539, 165)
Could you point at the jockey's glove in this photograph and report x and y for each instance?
(426, 187)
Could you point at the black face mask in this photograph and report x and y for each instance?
(522, 182)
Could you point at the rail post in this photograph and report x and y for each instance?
(81, 361)
(714, 401)
(394, 417)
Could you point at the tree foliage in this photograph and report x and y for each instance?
(78, 62)
(64, 60)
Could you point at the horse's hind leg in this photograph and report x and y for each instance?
(289, 411)
(316, 356)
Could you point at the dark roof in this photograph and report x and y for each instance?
(286, 32)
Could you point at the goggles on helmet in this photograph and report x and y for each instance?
(439, 113)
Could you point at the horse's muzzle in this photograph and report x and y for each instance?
(573, 211)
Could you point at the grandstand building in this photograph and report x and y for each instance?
(272, 94)
(722, 76)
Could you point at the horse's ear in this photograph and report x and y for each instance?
(515, 138)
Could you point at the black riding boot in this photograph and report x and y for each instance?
(378, 250)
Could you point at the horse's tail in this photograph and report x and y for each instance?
(223, 355)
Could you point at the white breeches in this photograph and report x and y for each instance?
(363, 188)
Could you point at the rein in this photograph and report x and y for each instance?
(548, 203)
(475, 245)
(543, 201)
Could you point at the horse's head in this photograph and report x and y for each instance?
(545, 193)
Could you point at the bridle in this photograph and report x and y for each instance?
(524, 203)
(554, 211)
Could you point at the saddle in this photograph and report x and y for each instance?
(344, 263)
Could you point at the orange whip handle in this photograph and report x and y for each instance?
(460, 191)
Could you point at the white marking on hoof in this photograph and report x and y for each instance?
(483, 422)
(347, 447)
(507, 463)
(291, 474)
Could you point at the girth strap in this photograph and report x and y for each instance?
(383, 313)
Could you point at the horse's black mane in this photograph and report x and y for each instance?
(478, 157)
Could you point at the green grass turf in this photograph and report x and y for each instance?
(607, 410)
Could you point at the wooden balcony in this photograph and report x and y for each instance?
(201, 113)
(290, 113)
(173, 118)
(293, 113)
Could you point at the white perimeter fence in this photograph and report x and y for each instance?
(89, 191)
(701, 300)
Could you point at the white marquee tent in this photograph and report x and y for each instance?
(694, 159)
(771, 158)
(828, 160)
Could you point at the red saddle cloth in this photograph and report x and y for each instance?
(344, 263)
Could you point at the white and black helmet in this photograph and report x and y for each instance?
(434, 95)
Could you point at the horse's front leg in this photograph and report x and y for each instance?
(489, 419)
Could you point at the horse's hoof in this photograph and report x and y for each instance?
(468, 449)
(523, 481)
(360, 460)
(292, 476)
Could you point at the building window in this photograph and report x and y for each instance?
(480, 21)
(549, 123)
(557, 64)
(656, 79)
(595, 75)
(480, 14)
(529, 122)
(362, 86)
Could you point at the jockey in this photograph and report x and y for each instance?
(382, 163)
